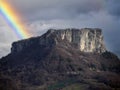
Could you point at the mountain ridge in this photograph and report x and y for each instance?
(49, 62)
(86, 39)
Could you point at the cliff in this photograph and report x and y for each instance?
(85, 40)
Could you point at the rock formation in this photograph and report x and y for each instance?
(60, 60)
(86, 40)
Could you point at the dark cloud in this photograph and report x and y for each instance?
(113, 7)
(50, 9)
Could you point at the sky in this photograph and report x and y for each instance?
(41, 15)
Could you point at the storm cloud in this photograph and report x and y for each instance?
(41, 15)
(56, 9)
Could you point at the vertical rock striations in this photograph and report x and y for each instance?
(86, 40)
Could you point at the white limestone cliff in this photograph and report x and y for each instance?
(86, 40)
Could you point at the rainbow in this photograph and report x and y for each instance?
(13, 20)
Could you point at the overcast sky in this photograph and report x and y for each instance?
(40, 15)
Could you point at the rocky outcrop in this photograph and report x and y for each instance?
(86, 40)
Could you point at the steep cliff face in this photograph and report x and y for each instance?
(86, 40)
